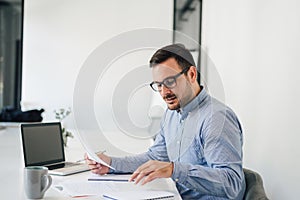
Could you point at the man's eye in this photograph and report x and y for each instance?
(169, 81)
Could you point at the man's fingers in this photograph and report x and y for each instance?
(152, 170)
(133, 176)
(142, 171)
(91, 163)
(150, 177)
(96, 168)
(88, 160)
(140, 177)
(145, 166)
(137, 172)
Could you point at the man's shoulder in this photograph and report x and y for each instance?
(217, 106)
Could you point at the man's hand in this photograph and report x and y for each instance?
(97, 168)
(152, 169)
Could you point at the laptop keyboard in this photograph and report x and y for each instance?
(68, 164)
(70, 168)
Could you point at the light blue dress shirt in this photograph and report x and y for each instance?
(204, 141)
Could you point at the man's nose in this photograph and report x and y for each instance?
(164, 89)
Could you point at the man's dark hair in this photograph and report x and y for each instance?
(177, 51)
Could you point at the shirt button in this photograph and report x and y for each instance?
(176, 179)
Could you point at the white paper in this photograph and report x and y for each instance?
(93, 156)
(109, 177)
(86, 188)
(119, 190)
(138, 195)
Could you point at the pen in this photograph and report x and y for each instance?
(95, 153)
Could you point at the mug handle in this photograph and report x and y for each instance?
(49, 178)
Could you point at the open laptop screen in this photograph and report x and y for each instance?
(42, 143)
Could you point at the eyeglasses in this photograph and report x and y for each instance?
(169, 82)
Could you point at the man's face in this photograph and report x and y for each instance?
(179, 95)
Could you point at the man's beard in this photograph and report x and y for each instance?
(172, 99)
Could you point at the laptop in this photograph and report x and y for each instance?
(43, 146)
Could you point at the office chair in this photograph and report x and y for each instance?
(254, 186)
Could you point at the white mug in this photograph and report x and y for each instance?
(36, 181)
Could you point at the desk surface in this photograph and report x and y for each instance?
(12, 164)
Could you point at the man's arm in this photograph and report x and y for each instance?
(130, 163)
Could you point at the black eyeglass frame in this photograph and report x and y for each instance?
(168, 78)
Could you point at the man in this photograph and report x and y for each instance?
(200, 141)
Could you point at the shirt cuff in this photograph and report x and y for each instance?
(180, 172)
(114, 164)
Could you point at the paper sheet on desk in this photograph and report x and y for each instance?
(139, 195)
(109, 177)
(117, 190)
(85, 188)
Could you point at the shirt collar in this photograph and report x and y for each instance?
(193, 104)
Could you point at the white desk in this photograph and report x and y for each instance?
(12, 164)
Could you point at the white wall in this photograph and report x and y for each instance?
(255, 47)
(59, 35)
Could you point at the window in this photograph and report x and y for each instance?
(11, 22)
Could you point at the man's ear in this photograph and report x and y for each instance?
(192, 74)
